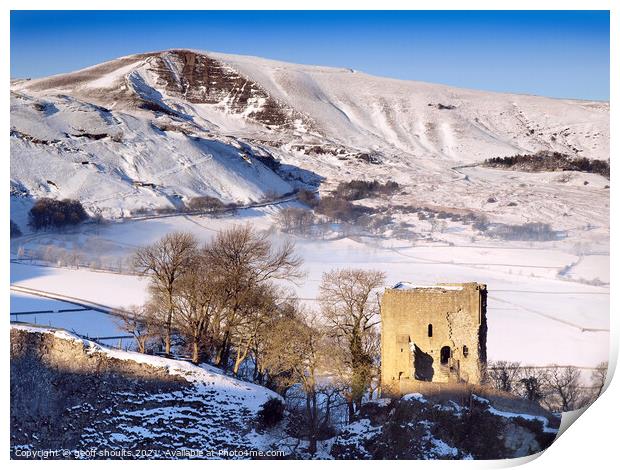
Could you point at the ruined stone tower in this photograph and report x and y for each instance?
(433, 334)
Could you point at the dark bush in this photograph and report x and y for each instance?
(15, 231)
(374, 223)
(307, 197)
(550, 161)
(481, 224)
(534, 231)
(48, 212)
(165, 210)
(207, 203)
(359, 189)
(476, 432)
(545, 439)
(340, 210)
(271, 412)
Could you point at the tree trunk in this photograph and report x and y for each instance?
(240, 358)
(358, 404)
(167, 339)
(238, 362)
(351, 409)
(222, 354)
(255, 371)
(328, 407)
(311, 424)
(167, 342)
(226, 354)
(168, 334)
(196, 350)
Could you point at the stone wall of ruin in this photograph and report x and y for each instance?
(458, 319)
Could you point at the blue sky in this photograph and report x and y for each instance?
(555, 53)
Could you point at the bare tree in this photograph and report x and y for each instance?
(373, 347)
(287, 307)
(246, 259)
(352, 312)
(532, 383)
(197, 301)
(299, 352)
(165, 261)
(260, 305)
(138, 322)
(599, 377)
(503, 375)
(566, 393)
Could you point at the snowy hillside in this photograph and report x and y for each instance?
(156, 129)
(427, 120)
(418, 427)
(118, 161)
(134, 402)
(94, 402)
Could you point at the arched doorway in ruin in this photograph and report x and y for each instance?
(444, 355)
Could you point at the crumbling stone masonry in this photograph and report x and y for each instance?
(432, 337)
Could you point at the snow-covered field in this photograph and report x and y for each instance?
(535, 314)
(113, 290)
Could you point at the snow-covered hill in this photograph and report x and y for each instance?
(72, 394)
(155, 129)
(74, 399)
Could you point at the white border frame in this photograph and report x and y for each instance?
(589, 444)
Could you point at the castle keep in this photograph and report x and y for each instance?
(432, 334)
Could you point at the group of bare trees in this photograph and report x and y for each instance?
(557, 388)
(213, 299)
(299, 355)
(332, 356)
(296, 220)
(56, 213)
(223, 302)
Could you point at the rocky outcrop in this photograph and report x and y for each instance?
(186, 76)
(416, 427)
(198, 78)
(74, 397)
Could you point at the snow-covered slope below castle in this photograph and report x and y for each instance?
(107, 399)
(93, 402)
